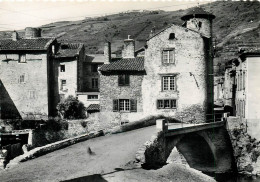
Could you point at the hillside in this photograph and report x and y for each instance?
(236, 24)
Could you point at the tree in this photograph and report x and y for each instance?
(71, 108)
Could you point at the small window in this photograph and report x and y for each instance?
(200, 24)
(125, 105)
(172, 36)
(123, 80)
(22, 58)
(63, 82)
(92, 97)
(62, 68)
(22, 79)
(168, 56)
(53, 49)
(168, 83)
(94, 68)
(32, 94)
(166, 104)
(94, 82)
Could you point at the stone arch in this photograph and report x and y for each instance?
(202, 157)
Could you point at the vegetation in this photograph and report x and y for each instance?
(71, 108)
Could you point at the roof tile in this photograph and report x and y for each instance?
(125, 64)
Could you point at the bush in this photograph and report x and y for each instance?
(71, 108)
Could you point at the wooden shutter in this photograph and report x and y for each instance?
(115, 105)
(120, 79)
(127, 80)
(133, 105)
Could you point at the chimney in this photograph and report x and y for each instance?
(15, 36)
(107, 52)
(129, 48)
(32, 32)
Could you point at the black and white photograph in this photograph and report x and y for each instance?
(129, 91)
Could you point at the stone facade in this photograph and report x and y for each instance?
(110, 91)
(178, 76)
(190, 71)
(26, 85)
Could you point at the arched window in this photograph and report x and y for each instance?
(172, 36)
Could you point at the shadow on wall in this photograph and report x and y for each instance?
(8, 109)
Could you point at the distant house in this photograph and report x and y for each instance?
(174, 77)
(26, 75)
(89, 92)
(69, 59)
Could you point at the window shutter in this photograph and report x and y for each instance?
(115, 105)
(127, 80)
(120, 80)
(133, 105)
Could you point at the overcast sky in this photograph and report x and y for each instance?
(18, 15)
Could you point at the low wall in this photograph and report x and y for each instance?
(39, 151)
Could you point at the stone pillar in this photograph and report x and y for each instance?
(31, 138)
(161, 125)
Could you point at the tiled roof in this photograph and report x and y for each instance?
(68, 50)
(93, 107)
(199, 13)
(125, 64)
(26, 44)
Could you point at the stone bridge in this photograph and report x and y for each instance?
(206, 147)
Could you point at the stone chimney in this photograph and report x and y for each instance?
(32, 32)
(107, 52)
(129, 48)
(15, 36)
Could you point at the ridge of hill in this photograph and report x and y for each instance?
(236, 24)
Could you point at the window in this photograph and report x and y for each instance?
(62, 68)
(168, 83)
(125, 105)
(168, 56)
(63, 82)
(172, 36)
(22, 79)
(22, 58)
(200, 24)
(94, 68)
(123, 80)
(92, 97)
(166, 104)
(94, 82)
(32, 94)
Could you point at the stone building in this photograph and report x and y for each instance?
(173, 78)
(69, 59)
(89, 93)
(26, 75)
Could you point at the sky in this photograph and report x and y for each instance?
(18, 14)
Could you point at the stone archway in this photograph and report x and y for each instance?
(197, 152)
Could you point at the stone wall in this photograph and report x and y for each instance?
(29, 99)
(190, 69)
(246, 148)
(110, 90)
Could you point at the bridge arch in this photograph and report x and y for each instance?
(197, 152)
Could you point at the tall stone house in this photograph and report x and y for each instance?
(26, 76)
(69, 65)
(173, 78)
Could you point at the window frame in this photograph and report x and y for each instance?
(62, 68)
(171, 105)
(168, 86)
(32, 94)
(124, 80)
(21, 78)
(94, 83)
(168, 62)
(92, 98)
(128, 105)
(22, 57)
